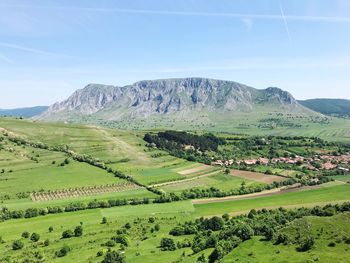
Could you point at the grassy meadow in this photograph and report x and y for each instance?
(27, 169)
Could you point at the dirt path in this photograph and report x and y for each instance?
(186, 180)
(258, 177)
(124, 148)
(195, 169)
(276, 191)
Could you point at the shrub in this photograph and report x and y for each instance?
(114, 257)
(306, 243)
(121, 239)
(35, 237)
(25, 234)
(17, 244)
(104, 220)
(331, 244)
(50, 229)
(99, 253)
(167, 244)
(157, 227)
(110, 243)
(46, 242)
(151, 219)
(78, 231)
(63, 251)
(67, 234)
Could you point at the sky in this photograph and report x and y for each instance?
(48, 49)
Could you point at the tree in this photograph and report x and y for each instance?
(17, 244)
(114, 257)
(67, 234)
(306, 243)
(157, 227)
(167, 244)
(25, 234)
(35, 237)
(201, 259)
(46, 242)
(63, 251)
(104, 220)
(50, 229)
(78, 231)
(226, 217)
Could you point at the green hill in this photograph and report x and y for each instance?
(339, 107)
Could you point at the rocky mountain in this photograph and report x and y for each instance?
(156, 99)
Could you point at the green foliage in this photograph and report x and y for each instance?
(67, 234)
(17, 244)
(167, 244)
(63, 251)
(35, 237)
(78, 231)
(113, 257)
(25, 234)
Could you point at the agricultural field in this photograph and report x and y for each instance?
(82, 191)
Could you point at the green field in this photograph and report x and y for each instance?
(329, 193)
(28, 169)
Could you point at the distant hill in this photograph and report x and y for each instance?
(328, 106)
(179, 103)
(24, 112)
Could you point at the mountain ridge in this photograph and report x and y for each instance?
(162, 98)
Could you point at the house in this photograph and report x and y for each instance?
(328, 166)
(264, 161)
(250, 162)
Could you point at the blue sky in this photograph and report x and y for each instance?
(48, 49)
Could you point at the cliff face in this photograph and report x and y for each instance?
(157, 97)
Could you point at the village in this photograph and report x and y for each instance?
(316, 163)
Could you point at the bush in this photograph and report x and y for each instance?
(78, 231)
(17, 244)
(110, 243)
(114, 257)
(306, 243)
(99, 253)
(167, 244)
(46, 243)
(63, 251)
(331, 244)
(50, 229)
(157, 227)
(25, 234)
(67, 234)
(122, 239)
(104, 220)
(35, 237)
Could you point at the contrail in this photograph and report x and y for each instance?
(6, 59)
(32, 50)
(190, 13)
(285, 22)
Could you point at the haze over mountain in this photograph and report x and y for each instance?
(27, 112)
(177, 99)
(336, 107)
